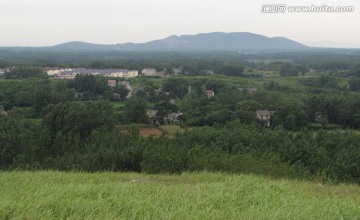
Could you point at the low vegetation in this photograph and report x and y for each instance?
(57, 195)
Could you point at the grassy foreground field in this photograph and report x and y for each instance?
(49, 195)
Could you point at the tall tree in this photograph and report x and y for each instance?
(135, 110)
(78, 117)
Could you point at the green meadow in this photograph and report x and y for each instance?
(60, 195)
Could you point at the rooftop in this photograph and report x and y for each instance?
(263, 113)
(91, 71)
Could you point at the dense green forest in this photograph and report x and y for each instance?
(84, 124)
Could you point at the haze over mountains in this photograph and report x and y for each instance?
(217, 41)
(217, 45)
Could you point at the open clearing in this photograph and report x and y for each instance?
(171, 129)
(150, 132)
(145, 130)
(48, 195)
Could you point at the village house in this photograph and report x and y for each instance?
(79, 94)
(56, 71)
(129, 73)
(151, 114)
(127, 85)
(116, 96)
(209, 93)
(152, 72)
(148, 72)
(264, 116)
(319, 117)
(172, 117)
(124, 83)
(111, 83)
(65, 76)
(209, 72)
(157, 91)
(2, 112)
(168, 119)
(177, 71)
(161, 74)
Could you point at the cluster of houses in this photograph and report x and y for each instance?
(264, 116)
(208, 93)
(69, 73)
(170, 118)
(152, 72)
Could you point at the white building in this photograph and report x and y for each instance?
(149, 72)
(264, 116)
(60, 73)
(209, 93)
(56, 71)
(177, 71)
(64, 76)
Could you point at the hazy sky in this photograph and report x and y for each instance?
(50, 22)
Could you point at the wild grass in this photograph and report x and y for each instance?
(140, 81)
(58, 195)
(118, 105)
(171, 129)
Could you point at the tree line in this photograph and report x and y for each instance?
(82, 137)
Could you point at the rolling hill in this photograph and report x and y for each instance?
(217, 41)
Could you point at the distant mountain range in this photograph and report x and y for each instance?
(217, 41)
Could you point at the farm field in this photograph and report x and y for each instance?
(49, 195)
(146, 130)
(150, 132)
